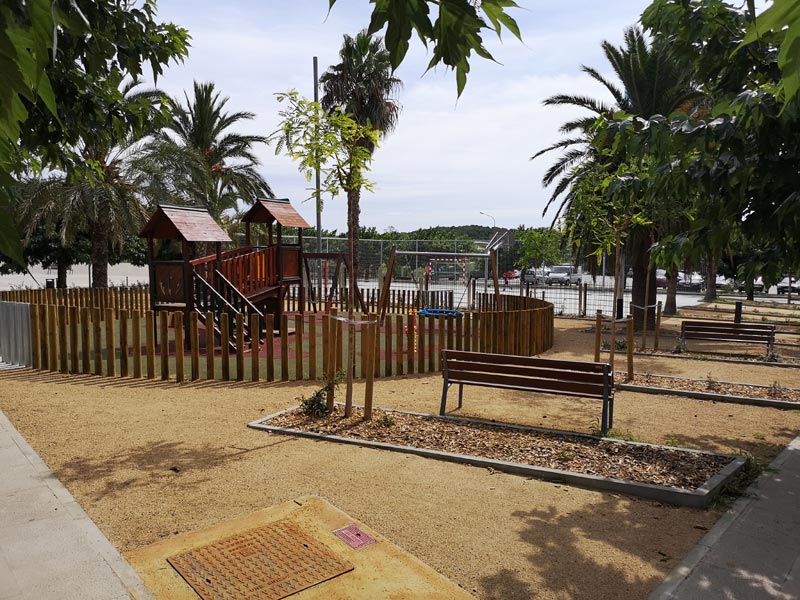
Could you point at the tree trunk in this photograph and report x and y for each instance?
(711, 276)
(639, 291)
(671, 306)
(62, 267)
(353, 214)
(100, 253)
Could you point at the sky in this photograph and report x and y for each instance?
(450, 158)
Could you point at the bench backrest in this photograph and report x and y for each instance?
(568, 377)
(722, 331)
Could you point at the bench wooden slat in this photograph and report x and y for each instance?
(526, 371)
(509, 359)
(728, 325)
(724, 335)
(532, 384)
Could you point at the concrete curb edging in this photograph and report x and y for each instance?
(697, 498)
(667, 589)
(752, 363)
(642, 389)
(96, 539)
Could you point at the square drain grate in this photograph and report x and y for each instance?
(266, 563)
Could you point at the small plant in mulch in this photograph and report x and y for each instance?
(605, 345)
(621, 344)
(679, 348)
(759, 436)
(771, 356)
(316, 405)
(388, 421)
(712, 384)
(776, 390)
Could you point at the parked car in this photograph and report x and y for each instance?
(722, 282)
(661, 278)
(563, 275)
(783, 285)
(758, 285)
(690, 282)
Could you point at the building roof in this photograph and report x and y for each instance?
(275, 209)
(183, 223)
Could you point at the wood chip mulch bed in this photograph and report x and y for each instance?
(690, 354)
(711, 386)
(565, 452)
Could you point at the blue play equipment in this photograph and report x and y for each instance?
(439, 312)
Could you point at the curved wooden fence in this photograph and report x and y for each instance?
(131, 342)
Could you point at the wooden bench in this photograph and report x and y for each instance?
(720, 331)
(562, 377)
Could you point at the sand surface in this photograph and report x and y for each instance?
(147, 460)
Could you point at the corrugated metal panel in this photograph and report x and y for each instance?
(277, 209)
(15, 333)
(190, 224)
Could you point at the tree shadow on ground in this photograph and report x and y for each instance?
(153, 464)
(579, 554)
(759, 449)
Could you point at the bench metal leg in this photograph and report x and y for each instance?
(604, 418)
(460, 394)
(445, 387)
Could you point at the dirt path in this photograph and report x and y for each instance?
(147, 460)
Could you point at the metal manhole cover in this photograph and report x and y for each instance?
(266, 563)
(353, 536)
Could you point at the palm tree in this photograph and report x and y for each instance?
(105, 199)
(221, 164)
(362, 85)
(653, 83)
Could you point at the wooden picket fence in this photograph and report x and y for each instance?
(117, 298)
(136, 343)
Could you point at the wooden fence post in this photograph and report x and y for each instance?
(387, 323)
(97, 346)
(255, 334)
(52, 339)
(62, 338)
(194, 344)
(598, 333)
(224, 341)
(179, 347)
(150, 342)
(136, 327)
(85, 351)
(111, 346)
(312, 346)
(284, 347)
(269, 342)
(239, 347)
(74, 352)
(163, 336)
(370, 330)
(298, 347)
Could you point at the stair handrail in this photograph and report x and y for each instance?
(217, 294)
(240, 295)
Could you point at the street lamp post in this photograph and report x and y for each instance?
(486, 260)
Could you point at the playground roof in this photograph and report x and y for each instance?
(183, 223)
(275, 209)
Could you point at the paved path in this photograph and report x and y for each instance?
(49, 547)
(753, 552)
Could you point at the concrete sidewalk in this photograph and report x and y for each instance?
(753, 552)
(49, 547)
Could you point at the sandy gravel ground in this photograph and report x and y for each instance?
(148, 460)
